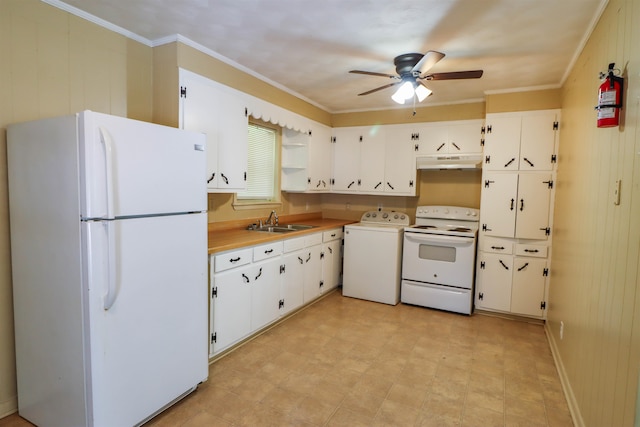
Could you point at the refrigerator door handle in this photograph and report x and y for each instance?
(110, 295)
(108, 151)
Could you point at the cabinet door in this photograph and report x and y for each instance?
(527, 293)
(465, 137)
(319, 158)
(432, 139)
(312, 273)
(346, 159)
(498, 201)
(232, 144)
(265, 292)
(331, 264)
(494, 281)
(292, 284)
(537, 145)
(533, 203)
(372, 160)
(502, 143)
(231, 307)
(400, 167)
(200, 112)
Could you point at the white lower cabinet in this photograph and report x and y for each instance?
(509, 282)
(331, 259)
(254, 286)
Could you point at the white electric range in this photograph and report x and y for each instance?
(439, 257)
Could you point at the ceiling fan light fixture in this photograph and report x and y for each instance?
(422, 92)
(404, 92)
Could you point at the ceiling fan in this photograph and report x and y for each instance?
(412, 69)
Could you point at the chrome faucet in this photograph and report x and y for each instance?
(273, 216)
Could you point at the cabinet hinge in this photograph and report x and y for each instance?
(487, 183)
(489, 129)
(321, 284)
(485, 228)
(481, 296)
(280, 303)
(549, 183)
(554, 158)
(416, 147)
(543, 305)
(482, 142)
(309, 180)
(410, 184)
(282, 269)
(361, 138)
(415, 136)
(310, 132)
(245, 176)
(183, 91)
(333, 139)
(487, 159)
(482, 265)
(482, 129)
(246, 112)
(547, 231)
(214, 337)
(555, 125)
(545, 272)
(333, 181)
(214, 292)
(321, 255)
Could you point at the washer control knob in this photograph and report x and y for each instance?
(385, 215)
(374, 215)
(368, 215)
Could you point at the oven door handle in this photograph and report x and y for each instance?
(439, 240)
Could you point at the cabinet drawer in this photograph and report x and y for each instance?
(294, 244)
(313, 239)
(227, 260)
(538, 251)
(497, 246)
(330, 235)
(269, 250)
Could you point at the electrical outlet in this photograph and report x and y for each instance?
(561, 329)
(616, 192)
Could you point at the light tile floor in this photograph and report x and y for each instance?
(347, 362)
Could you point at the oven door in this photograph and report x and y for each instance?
(439, 259)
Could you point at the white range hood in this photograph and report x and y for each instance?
(449, 161)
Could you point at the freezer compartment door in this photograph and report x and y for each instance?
(148, 345)
(131, 168)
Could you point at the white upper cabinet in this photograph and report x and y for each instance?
(516, 204)
(319, 164)
(373, 160)
(454, 137)
(220, 113)
(521, 141)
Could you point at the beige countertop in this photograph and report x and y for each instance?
(233, 234)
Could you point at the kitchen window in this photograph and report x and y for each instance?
(263, 184)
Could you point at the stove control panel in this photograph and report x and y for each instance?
(385, 217)
(448, 212)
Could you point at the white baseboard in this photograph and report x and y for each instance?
(8, 407)
(564, 380)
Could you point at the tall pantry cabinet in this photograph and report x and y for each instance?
(516, 212)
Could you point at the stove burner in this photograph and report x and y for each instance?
(460, 229)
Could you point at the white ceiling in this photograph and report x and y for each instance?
(308, 46)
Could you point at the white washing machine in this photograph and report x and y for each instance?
(373, 257)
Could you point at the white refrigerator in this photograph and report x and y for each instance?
(109, 262)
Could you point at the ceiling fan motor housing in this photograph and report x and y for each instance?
(405, 63)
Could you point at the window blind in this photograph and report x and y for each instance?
(261, 164)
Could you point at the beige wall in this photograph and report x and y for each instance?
(595, 280)
(52, 64)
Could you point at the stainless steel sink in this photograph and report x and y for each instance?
(285, 228)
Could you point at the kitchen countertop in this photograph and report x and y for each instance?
(233, 234)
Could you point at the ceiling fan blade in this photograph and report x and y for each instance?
(379, 88)
(371, 73)
(427, 61)
(455, 75)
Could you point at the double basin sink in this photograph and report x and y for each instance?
(285, 228)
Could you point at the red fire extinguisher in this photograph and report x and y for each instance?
(610, 99)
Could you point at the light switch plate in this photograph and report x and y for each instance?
(616, 192)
